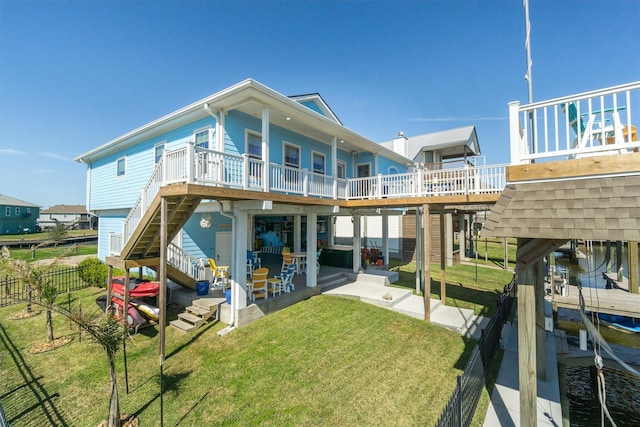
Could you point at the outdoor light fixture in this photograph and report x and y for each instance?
(205, 221)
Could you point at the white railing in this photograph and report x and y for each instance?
(210, 167)
(427, 183)
(287, 179)
(185, 262)
(115, 244)
(592, 123)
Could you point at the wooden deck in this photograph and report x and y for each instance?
(610, 301)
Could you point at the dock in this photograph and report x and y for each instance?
(609, 301)
(612, 281)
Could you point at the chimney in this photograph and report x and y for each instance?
(400, 144)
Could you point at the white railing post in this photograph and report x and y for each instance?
(245, 171)
(516, 135)
(466, 179)
(190, 166)
(305, 182)
(379, 186)
(419, 181)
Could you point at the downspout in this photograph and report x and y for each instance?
(232, 318)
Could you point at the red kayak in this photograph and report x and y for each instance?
(137, 289)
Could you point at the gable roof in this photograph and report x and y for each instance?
(65, 209)
(316, 103)
(450, 143)
(10, 201)
(249, 97)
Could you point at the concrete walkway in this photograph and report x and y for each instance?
(504, 408)
(374, 290)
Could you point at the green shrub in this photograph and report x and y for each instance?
(93, 272)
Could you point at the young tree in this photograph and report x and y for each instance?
(57, 234)
(109, 334)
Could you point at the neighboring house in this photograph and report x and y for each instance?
(74, 217)
(16, 216)
(444, 150)
(242, 167)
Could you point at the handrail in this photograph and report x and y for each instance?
(587, 124)
(194, 164)
(185, 262)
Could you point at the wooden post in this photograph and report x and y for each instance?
(418, 251)
(505, 246)
(109, 309)
(162, 299)
(632, 253)
(541, 334)
(426, 245)
(527, 346)
(443, 258)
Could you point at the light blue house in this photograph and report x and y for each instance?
(230, 168)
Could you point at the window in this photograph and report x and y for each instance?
(291, 156)
(202, 138)
(363, 170)
(393, 170)
(254, 145)
(318, 161)
(17, 211)
(121, 167)
(28, 210)
(7, 212)
(341, 173)
(157, 152)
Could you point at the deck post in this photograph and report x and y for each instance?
(312, 248)
(443, 257)
(419, 247)
(385, 238)
(266, 184)
(357, 242)
(426, 251)
(541, 334)
(527, 345)
(162, 277)
(462, 237)
(632, 253)
(515, 136)
(449, 237)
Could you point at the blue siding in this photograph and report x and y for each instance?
(109, 191)
(384, 164)
(107, 224)
(312, 105)
(201, 242)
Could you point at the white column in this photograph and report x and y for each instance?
(240, 228)
(357, 238)
(312, 237)
(449, 237)
(265, 149)
(331, 230)
(516, 140)
(462, 233)
(385, 238)
(220, 134)
(334, 165)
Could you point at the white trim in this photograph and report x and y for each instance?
(284, 154)
(324, 162)
(155, 146)
(124, 172)
(362, 164)
(392, 170)
(203, 129)
(340, 163)
(248, 132)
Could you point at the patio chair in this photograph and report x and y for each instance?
(283, 282)
(253, 262)
(257, 287)
(593, 129)
(219, 275)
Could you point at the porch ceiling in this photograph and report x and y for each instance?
(598, 208)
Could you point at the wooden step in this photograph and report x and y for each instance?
(203, 312)
(209, 303)
(182, 325)
(188, 317)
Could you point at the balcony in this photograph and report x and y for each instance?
(595, 123)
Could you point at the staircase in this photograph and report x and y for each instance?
(196, 314)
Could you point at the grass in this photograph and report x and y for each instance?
(51, 252)
(323, 361)
(43, 235)
(462, 289)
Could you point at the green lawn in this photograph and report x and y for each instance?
(323, 361)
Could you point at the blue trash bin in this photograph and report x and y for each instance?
(227, 294)
(202, 288)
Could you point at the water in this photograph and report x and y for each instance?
(622, 398)
(622, 387)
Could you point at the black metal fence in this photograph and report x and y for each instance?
(14, 291)
(463, 402)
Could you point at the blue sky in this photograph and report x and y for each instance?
(74, 74)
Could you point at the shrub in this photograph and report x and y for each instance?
(93, 272)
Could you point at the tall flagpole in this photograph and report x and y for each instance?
(527, 46)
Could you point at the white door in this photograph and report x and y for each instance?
(224, 246)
